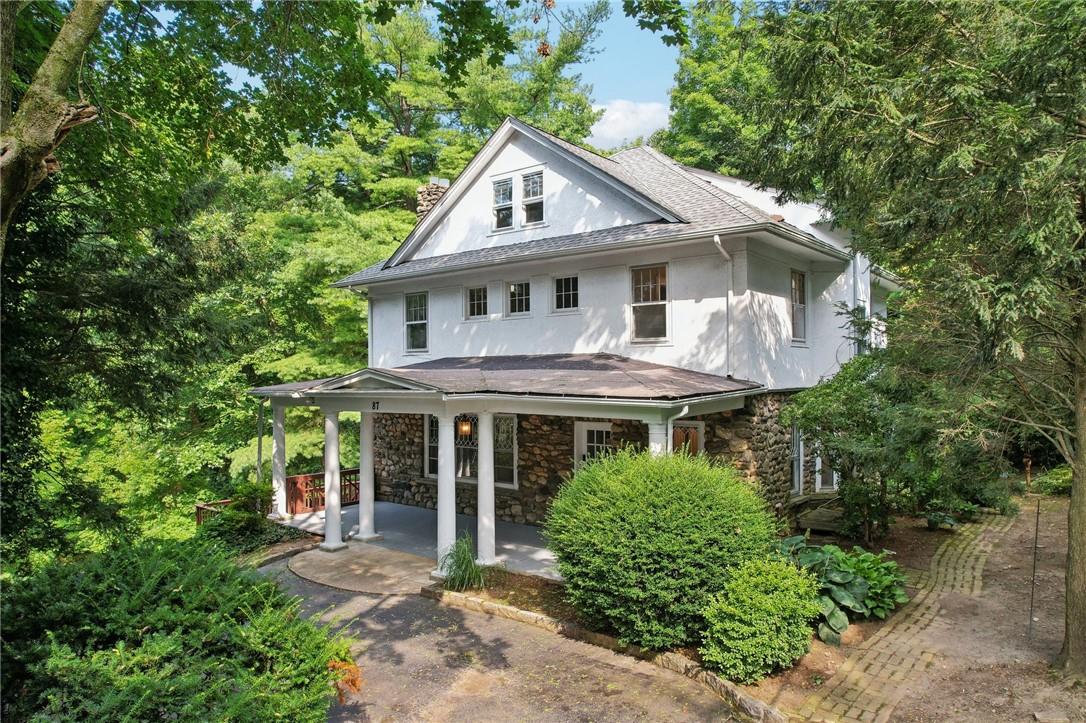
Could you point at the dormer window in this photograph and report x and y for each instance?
(503, 204)
(533, 197)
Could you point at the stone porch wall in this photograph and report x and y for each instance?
(752, 438)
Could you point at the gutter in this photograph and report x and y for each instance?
(808, 242)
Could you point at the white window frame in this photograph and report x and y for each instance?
(508, 290)
(495, 205)
(408, 349)
(666, 303)
(525, 200)
(472, 480)
(554, 294)
(580, 446)
(468, 316)
(792, 304)
(700, 426)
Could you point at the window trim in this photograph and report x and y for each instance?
(700, 426)
(579, 446)
(554, 295)
(798, 341)
(408, 349)
(467, 302)
(525, 200)
(473, 480)
(666, 302)
(508, 290)
(495, 206)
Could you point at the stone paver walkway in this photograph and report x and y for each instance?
(364, 568)
(870, 683)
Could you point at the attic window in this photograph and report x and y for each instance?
(533, 197)
(503, 203)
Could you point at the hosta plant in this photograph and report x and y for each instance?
(852, 584)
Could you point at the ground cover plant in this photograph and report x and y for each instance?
(644, 542)
(1056, 481)
(761, 621)
(169, 631)
(851, 584)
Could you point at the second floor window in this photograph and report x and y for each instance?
(533, 197)
(565, 293)
(476, 302)
(415, 315)
(649, 302)
(503, 204)
(520, 297)
(799, 306)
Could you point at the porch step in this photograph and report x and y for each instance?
(820, 519)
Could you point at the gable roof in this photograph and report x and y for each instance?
(601, 168)
(696, 206)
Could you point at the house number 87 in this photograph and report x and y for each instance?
(375, 406)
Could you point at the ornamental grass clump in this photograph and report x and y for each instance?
(462, 572)
(761, 622)
(644, 542)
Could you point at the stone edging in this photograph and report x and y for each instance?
(730, 692)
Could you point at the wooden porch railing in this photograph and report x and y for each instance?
(206, 510)
(305, 492)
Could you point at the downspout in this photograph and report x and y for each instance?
(681, 413)
(729, 365)
(260, 442)
(855, 297)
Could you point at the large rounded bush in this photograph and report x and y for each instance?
(644, 542)
(761, 621)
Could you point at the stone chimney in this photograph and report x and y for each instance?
(428, 195)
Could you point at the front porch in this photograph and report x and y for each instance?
(414, 529)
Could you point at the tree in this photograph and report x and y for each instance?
(952, 139)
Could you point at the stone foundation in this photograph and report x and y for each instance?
(752, 438)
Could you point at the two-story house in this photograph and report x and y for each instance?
(552, 303)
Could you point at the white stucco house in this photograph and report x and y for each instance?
(552, 303)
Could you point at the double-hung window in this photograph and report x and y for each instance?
(649, 302)
(533, 197)
(520, 298)
(415, 316)
(799, 306)
(503, 204)
(466, 446)
(475, 303)
(565, 293)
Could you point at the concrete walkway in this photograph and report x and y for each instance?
(424, 662)
(414, 530)
(364, 567)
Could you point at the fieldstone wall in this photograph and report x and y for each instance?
(752, 438)
(427, 196)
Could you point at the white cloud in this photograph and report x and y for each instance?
(625, 120)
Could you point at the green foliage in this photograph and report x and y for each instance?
(461, 570)
(851, 584)
(1056, 481)
(761, 621)
(938, 519)
(170, 630)
(643, 542)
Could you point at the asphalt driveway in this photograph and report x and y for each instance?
(424, 662)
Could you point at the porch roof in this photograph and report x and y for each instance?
(603, 376)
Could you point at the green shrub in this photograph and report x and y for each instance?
(461, 570)
(243, 525)
(761, 622)
(172, 631)
(644, 542)
(1056, 481)
(852, 584)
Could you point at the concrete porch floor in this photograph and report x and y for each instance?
(414, 529)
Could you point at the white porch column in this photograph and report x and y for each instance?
(279, 461)
(484, 537)
(446, 487)
(366, 531)
(657, 438)
(333, 531)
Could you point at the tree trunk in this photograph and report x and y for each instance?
(1072, 657)
(45, 114)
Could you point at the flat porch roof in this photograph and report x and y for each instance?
(519, 548)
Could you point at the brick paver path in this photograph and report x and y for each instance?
(869, 683)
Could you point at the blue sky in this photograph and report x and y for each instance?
(630, 79)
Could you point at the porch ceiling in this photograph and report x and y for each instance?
(603, 376)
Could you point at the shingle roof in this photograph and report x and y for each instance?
(581, 375)
(701, 205)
